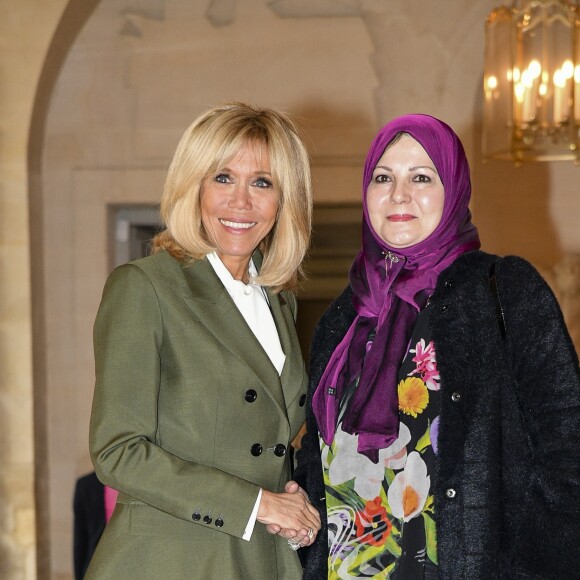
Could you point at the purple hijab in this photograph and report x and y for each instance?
(388, 294)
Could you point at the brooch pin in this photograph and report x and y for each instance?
(392, 258)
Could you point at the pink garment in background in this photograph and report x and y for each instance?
(110, 501)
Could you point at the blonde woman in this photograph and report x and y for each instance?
(200, 384)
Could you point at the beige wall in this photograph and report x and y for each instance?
(122, 80)
(26, 29)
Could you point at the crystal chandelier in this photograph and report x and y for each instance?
(532, 82)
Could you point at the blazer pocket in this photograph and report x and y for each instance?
(148, 521)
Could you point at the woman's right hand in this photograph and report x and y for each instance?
(290, 514)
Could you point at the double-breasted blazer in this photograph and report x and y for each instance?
(189, 419)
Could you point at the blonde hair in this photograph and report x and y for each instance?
(213, 139)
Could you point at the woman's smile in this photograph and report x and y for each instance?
(235, 225)
(400, 218)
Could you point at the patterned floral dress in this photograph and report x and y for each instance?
(380, 517)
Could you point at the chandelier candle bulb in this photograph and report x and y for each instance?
(532, 105)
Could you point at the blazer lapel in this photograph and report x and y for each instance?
(214, 308)
(292, 372)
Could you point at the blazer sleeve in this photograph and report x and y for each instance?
(128, 339)
(545, 365)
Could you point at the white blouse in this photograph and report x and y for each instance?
(252, 302)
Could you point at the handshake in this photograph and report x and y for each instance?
(290, 515)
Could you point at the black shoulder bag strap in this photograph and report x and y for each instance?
(502, 330)
(495, 294)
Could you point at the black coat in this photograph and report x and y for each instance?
(507, 483)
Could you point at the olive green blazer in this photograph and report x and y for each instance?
(189, 419)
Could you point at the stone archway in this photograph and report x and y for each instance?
(73, 18)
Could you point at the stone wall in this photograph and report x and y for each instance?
(26, 28)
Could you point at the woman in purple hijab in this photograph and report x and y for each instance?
(443, 414)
